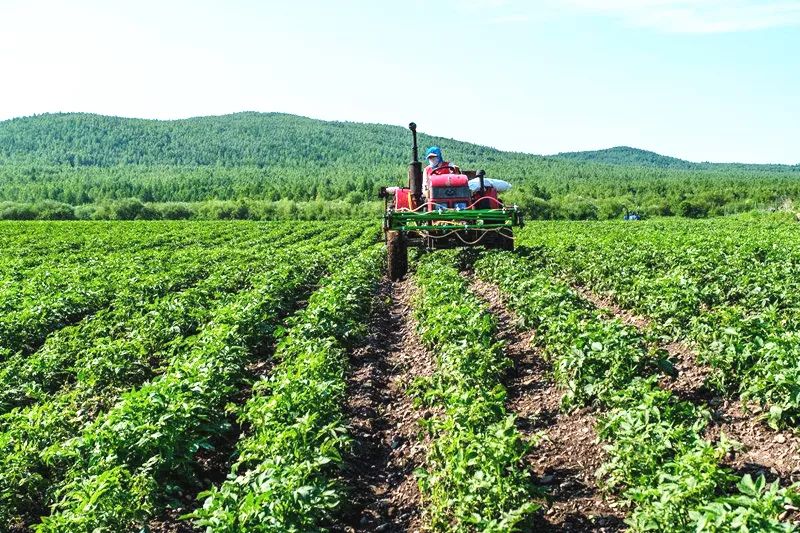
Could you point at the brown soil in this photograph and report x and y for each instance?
(384, 422)
(775, 454)
(763, 450)
(170, 522)
(565, 461)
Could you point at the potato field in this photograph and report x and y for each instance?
(268, 377)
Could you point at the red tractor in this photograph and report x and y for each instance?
(461, 209)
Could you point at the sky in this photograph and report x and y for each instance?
(703, 80)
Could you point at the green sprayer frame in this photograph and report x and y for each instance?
(453, 219)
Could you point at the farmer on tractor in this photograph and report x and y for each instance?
(436, 165)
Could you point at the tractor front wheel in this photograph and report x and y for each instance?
(396, 254)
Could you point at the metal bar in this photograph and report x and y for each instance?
(472, 214)
(415, 167)
(451, 227)
(452, 219)
(480, 220)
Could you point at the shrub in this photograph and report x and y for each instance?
(15, 211)
(693, 209)
(51, 210)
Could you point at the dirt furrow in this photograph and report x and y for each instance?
(776, 454)
(383, 420)
(565, 461)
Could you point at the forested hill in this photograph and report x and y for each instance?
(263, 139)
(625, 155)
(246, 158)
(241, 139)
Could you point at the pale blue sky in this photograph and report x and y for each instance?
(715, 80)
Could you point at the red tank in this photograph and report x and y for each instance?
(487, 200)
(403, 198)
(449, 191)
(449, 180)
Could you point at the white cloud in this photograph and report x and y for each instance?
(695, 16)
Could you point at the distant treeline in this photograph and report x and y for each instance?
(556, 190)
(284, 209)
(135, 209)
(88, 164)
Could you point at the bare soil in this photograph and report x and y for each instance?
(775, 454)
(566, 459)
(170, 522)
(384, 422)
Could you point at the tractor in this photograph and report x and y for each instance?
(461, 209)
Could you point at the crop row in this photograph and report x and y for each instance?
(102, 368)
(81, 370)
(657, 459)
(732, 288)
(723, 262)
(473, 479)
(102, 373)
(89, 290)
(56, 296)
(40, 459)
(29, 249)
(73, 263)
(120, 345)
(284, 477)
(121, 463)
(66, 295)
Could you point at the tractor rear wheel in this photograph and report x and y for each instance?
(396, 255)
(506, 242)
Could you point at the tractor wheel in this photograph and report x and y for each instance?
(396, 255)
(506, 242)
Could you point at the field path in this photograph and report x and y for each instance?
(775, 454)
(383, 420)
(566, 460)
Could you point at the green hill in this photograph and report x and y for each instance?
(237, 140)
(81, 159)
(625, 155)
(260, 139)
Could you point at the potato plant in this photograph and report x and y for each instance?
(284, 477)
(474, 479)
(658, 461)
(150, 437)
(730, 287)
(137, 352)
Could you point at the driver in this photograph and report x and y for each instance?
(436, 165)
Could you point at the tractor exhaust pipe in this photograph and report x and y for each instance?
(415, 168)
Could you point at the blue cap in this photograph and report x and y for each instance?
(434, 150)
